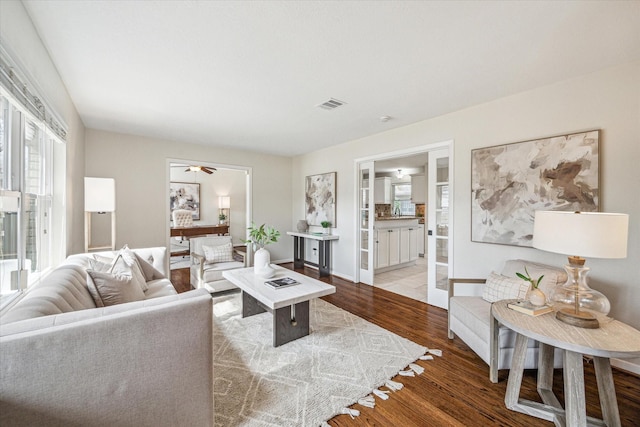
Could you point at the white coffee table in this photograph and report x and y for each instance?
(289, 306)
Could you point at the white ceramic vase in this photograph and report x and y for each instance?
(261, 260)
(537, 297)
(267, 272)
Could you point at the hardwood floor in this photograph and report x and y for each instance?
(454, 389)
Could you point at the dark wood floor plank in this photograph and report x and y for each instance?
(454, 390)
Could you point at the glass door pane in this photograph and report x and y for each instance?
(365, 218)
(438, 222)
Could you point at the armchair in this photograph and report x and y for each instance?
(470, 318)
(210, 256)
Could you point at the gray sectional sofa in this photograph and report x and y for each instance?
(66, 362)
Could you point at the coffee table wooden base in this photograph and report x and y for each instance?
(289, 323)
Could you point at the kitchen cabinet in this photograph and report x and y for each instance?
(421, 240)
(418, 189)
(396, 243)
(382, 190)
(408, 244)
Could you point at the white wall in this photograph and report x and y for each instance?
(223, 182)
(608, 100)
(139, 166)
(22, 42)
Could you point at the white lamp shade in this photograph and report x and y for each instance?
(224, 202)
(99, 194)
(585, 234)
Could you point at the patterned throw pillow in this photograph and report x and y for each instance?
(222, 253)
(500, 287)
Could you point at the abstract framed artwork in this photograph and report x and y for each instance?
(510, 182)
(185, 195)
(320, 198)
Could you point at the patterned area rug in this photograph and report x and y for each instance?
(306, 381)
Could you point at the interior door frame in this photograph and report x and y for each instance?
(248, 194)
(449, 144)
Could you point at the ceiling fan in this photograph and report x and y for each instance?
(196, 168)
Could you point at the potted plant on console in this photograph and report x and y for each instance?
(259, 237)
(326, 227)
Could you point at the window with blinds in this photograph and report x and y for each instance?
(26, 197)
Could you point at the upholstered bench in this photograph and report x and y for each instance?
(470, 316)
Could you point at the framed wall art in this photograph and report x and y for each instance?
(320, 198)
(510, 182)
(185, 195)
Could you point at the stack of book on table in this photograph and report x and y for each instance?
(281, 283)
(527, 308)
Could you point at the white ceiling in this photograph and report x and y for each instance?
(248, 75)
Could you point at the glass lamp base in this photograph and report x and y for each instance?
(582, 319)
(576, 303)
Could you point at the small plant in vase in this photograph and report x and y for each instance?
(536, 296)
(222, 218)
(259, 237)
(326, 227)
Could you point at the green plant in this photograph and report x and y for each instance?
(325, 224)
(222, 217)
(262, 236)
(534, 283)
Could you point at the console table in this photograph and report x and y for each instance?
(324, 249)
(612, 339)
(199, 230)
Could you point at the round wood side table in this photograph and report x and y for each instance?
(612, 339)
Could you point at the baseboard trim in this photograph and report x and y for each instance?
(627, 366)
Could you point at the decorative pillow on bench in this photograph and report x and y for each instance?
(500, 287)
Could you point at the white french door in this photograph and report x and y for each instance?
(438, 226)
(366, 211)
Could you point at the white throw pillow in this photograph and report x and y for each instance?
(222, 253)
(553, 276)
(111, 289)
(500, 287)
(125, 263)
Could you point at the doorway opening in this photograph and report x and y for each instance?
(218, 197)
(404, 232)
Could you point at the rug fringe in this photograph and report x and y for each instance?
(416, 368)
(368, 401)
(393, 385)
(381, 393)
(351, 412)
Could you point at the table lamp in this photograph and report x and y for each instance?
(580, 234)
(224, 204)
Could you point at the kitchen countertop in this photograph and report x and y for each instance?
(395, 218)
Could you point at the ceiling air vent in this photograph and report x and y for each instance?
(331, 104)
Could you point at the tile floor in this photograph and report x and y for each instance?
(409, 281)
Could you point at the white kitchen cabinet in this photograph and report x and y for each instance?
(421, 240)
(382, 190)
(418, 189)
(394, 246)
(387, 247)
(382, 249)
(396, 243)
(408, 244)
